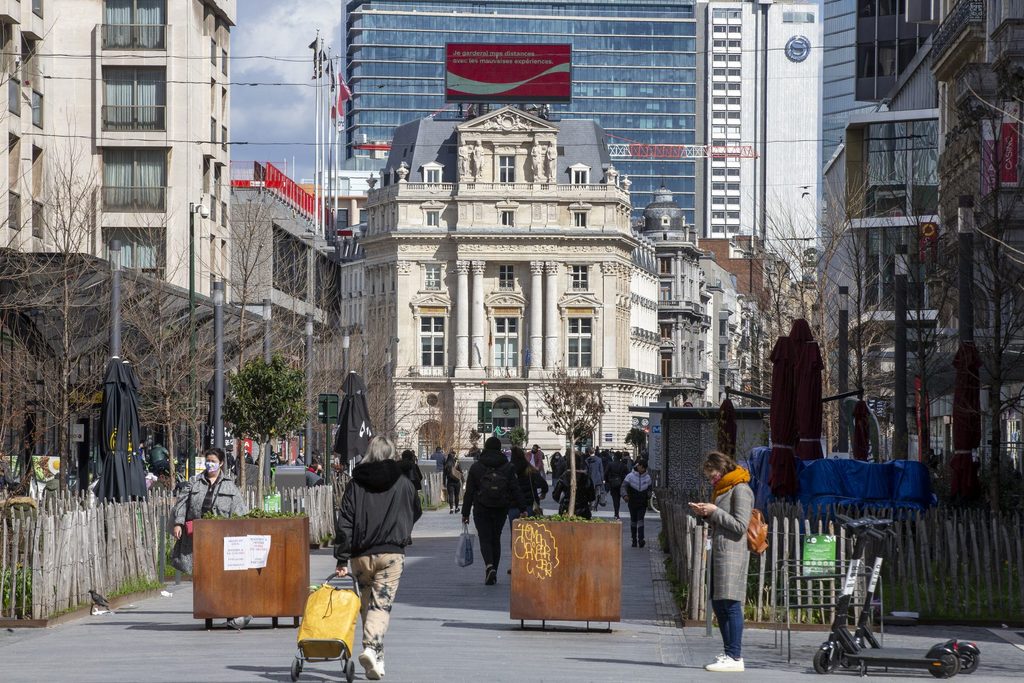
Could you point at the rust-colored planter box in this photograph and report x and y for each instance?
(278, 590)
(566, 571)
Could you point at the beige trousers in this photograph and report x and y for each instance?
(377, 576)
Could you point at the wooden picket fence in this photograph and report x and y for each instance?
(942, 564)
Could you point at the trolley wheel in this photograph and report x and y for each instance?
(350, 671)
(296, 669)
(950, 667)
(823, 662)
(969, 662)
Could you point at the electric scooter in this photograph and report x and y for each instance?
(968, 652)
(841, 649)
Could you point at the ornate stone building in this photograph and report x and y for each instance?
(498, 249)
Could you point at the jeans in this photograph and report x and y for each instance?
(489, 523)
(730, 623)
(378, 577)
(616, 494)
(454, 489)
(636, 521)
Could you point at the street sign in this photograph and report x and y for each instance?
(483, 411)
(645, 422)
(656, 429)
(635, 422)
(327, 408)
(608, 436)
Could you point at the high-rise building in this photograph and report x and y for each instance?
(761, 63)
(129, 98)
(634, 72)
(868, 44)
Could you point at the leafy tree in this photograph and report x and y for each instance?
(517, 435)
(266, 400)
(637, 438)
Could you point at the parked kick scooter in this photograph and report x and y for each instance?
(841, 648)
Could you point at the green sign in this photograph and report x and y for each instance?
(483, 411)
(819, 555)
(327, 408)
(272, 502)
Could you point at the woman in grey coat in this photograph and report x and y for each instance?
(728, 517)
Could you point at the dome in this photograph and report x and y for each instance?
(663, 214)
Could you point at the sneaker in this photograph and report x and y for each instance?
(634, 542)
(491, 577)
(642, 543)
(725, 664)
(372, 664)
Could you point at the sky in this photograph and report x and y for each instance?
(278, 114)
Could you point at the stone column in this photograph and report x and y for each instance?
(536, 314)
(552, 333)
(678, 363)
(461, 306)
(477, 346)
(679, 294)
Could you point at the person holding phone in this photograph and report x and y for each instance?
(727, 516)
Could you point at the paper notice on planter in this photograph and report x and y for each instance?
(236, 553)
(259, 549)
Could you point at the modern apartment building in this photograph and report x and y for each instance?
(868, 44)
(634, 72)
(125, 102)
(486, 272)
(762, 67)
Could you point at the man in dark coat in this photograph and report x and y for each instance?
(491, 489)
(585, 493)
(558, 467)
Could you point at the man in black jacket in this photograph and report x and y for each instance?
(371, 530)
(491, 490)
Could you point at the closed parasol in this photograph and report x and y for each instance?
(124, 477)
(354, 428)
(861, 430)
(807, 385)
(964, 482)
(727, 428)
(782, 421)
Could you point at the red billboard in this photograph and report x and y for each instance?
(507, 72)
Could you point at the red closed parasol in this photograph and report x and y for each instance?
(727, 428)
(964, 482)
(861, 430)
(807, 369)
(783, 421)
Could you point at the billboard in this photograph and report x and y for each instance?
(507, 72)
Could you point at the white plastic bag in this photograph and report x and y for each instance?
(464, 550)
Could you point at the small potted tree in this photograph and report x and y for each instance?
(517, 435)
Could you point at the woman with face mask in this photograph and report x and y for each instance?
(211, 492)
(727, 516)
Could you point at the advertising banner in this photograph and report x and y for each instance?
(503, 72)
(1009, 143)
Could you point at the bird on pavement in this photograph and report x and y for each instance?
(99, 603)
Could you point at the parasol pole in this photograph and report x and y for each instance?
(899, 408)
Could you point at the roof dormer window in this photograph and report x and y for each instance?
(432, 172)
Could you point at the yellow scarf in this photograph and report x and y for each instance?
(731, 479)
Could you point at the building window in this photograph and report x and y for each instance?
(432, 341)
(37, 109)
(506, 342)
(14, 210)
(506, 169)
(134, 99)
(666, 330)
(665, 292)
(134, 24)
(433, 175)
(723, 327)
(508, 218)
(224, 62)
(580, 277)
(579, 219)
(14, 95)
(224, 138)
(580, 341)
(141, 248)
(506, 278)
(580, 176)
(213, 51)
(38, 218)
(666, 221)
(433, 218)
(432, 276)
(666, 365)
(665, 266)
(134, 179)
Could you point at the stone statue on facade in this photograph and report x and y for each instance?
(371, 180)
(612, 175)
(538, 163)
(403, 172)
(478, 160)
(551, 156)
(464, 167)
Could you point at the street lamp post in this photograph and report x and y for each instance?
(115, 299)
(346, 342)
(308, 451)
(265, 459)
(899, 408)
(843, 361)
(218, 364)
(193, 209)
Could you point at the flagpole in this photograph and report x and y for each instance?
(317, 66)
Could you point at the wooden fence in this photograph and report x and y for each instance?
(942, 564)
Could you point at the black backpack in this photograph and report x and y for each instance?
(494, 485)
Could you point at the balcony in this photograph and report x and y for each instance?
(631, 375)
(503, 372)
(428, 371)
(133, 36)
(131, 199)
(593, 373)
(961, 31)
(134, 117)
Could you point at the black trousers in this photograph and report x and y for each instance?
(454, 489)
(489, 523)
(636, 521)
(616, 493)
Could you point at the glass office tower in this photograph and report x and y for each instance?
(634, 72)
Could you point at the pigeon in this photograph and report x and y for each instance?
(99, 603)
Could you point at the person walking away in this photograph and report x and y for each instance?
(558, 466)
(537, 459)
(371, 530)
(212, 491)
(596, 469)
(411, 469)
(637, 492)
(614, 476)
(728, 516)
(453, 476)
(585, 493)
(491, 489)
(532, 485)
(438, 458)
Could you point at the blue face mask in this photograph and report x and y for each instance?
(212, 467)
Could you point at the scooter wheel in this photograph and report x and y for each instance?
(969, 662)
(950, 667)
(823, 662)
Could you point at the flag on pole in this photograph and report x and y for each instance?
(343, 92)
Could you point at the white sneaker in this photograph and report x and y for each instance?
(372, 664)
(725, 664)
